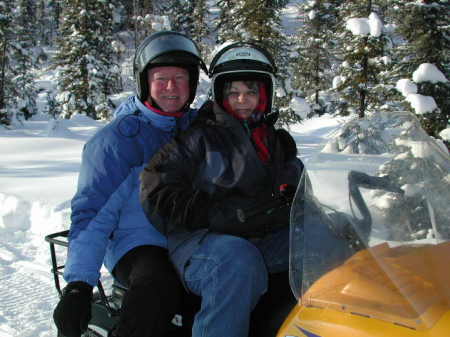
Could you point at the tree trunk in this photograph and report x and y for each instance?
(363, 92)
(362, 103)
(317, 77)
(2, 75)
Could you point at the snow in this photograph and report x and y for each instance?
(376, 25)
(337, 81)
(445, 134)
(290, 17)
(419, 149)
(428, 72)
(372, 25)
(160, 22)
(406, 86)
(421, 104)
(358, 26)
(300, 106)
(386, 60)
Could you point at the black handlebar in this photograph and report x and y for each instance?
(357, 180)
(360, 179)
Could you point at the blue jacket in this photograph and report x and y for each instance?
(107, 218)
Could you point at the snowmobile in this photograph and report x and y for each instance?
(369, 252)
(370, 243)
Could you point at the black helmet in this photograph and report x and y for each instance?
(241, 61)
(167, 48)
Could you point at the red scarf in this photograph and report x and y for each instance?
(163, 113)
(259, 134)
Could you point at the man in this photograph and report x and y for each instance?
(108, 224)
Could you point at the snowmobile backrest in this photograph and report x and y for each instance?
(61, 239)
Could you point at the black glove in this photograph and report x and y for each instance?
(249, 217)
(73, 312)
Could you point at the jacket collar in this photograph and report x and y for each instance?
(166, 123)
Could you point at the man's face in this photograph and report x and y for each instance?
(169, 87)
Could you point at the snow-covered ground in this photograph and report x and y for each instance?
(39, 167)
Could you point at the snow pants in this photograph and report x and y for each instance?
(154, 292)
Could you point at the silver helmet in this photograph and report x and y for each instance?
(241, 61)
(167, 48)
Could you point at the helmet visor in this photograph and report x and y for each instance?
(164, 44)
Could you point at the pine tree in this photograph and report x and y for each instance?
(6, 33)
(26, 18)
(46, 21)
(86, 73)
(424, 25)
(201, 28)
(17, 91)
(24, 60)
(362, 54)
(315, 43)
(55, 10)
(142, 20)
(277, 3)
(181, 14)
(227, 21)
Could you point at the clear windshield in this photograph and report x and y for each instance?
(370, 233)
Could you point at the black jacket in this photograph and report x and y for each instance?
(210, 177)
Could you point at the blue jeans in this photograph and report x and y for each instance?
(231, 274)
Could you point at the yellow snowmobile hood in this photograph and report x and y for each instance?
(379, 292)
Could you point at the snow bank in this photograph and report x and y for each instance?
(56, 128)
(428, 72)
(79, 118)
(14, 214)
(18, 215)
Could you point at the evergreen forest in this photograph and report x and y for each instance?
(339, 57)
